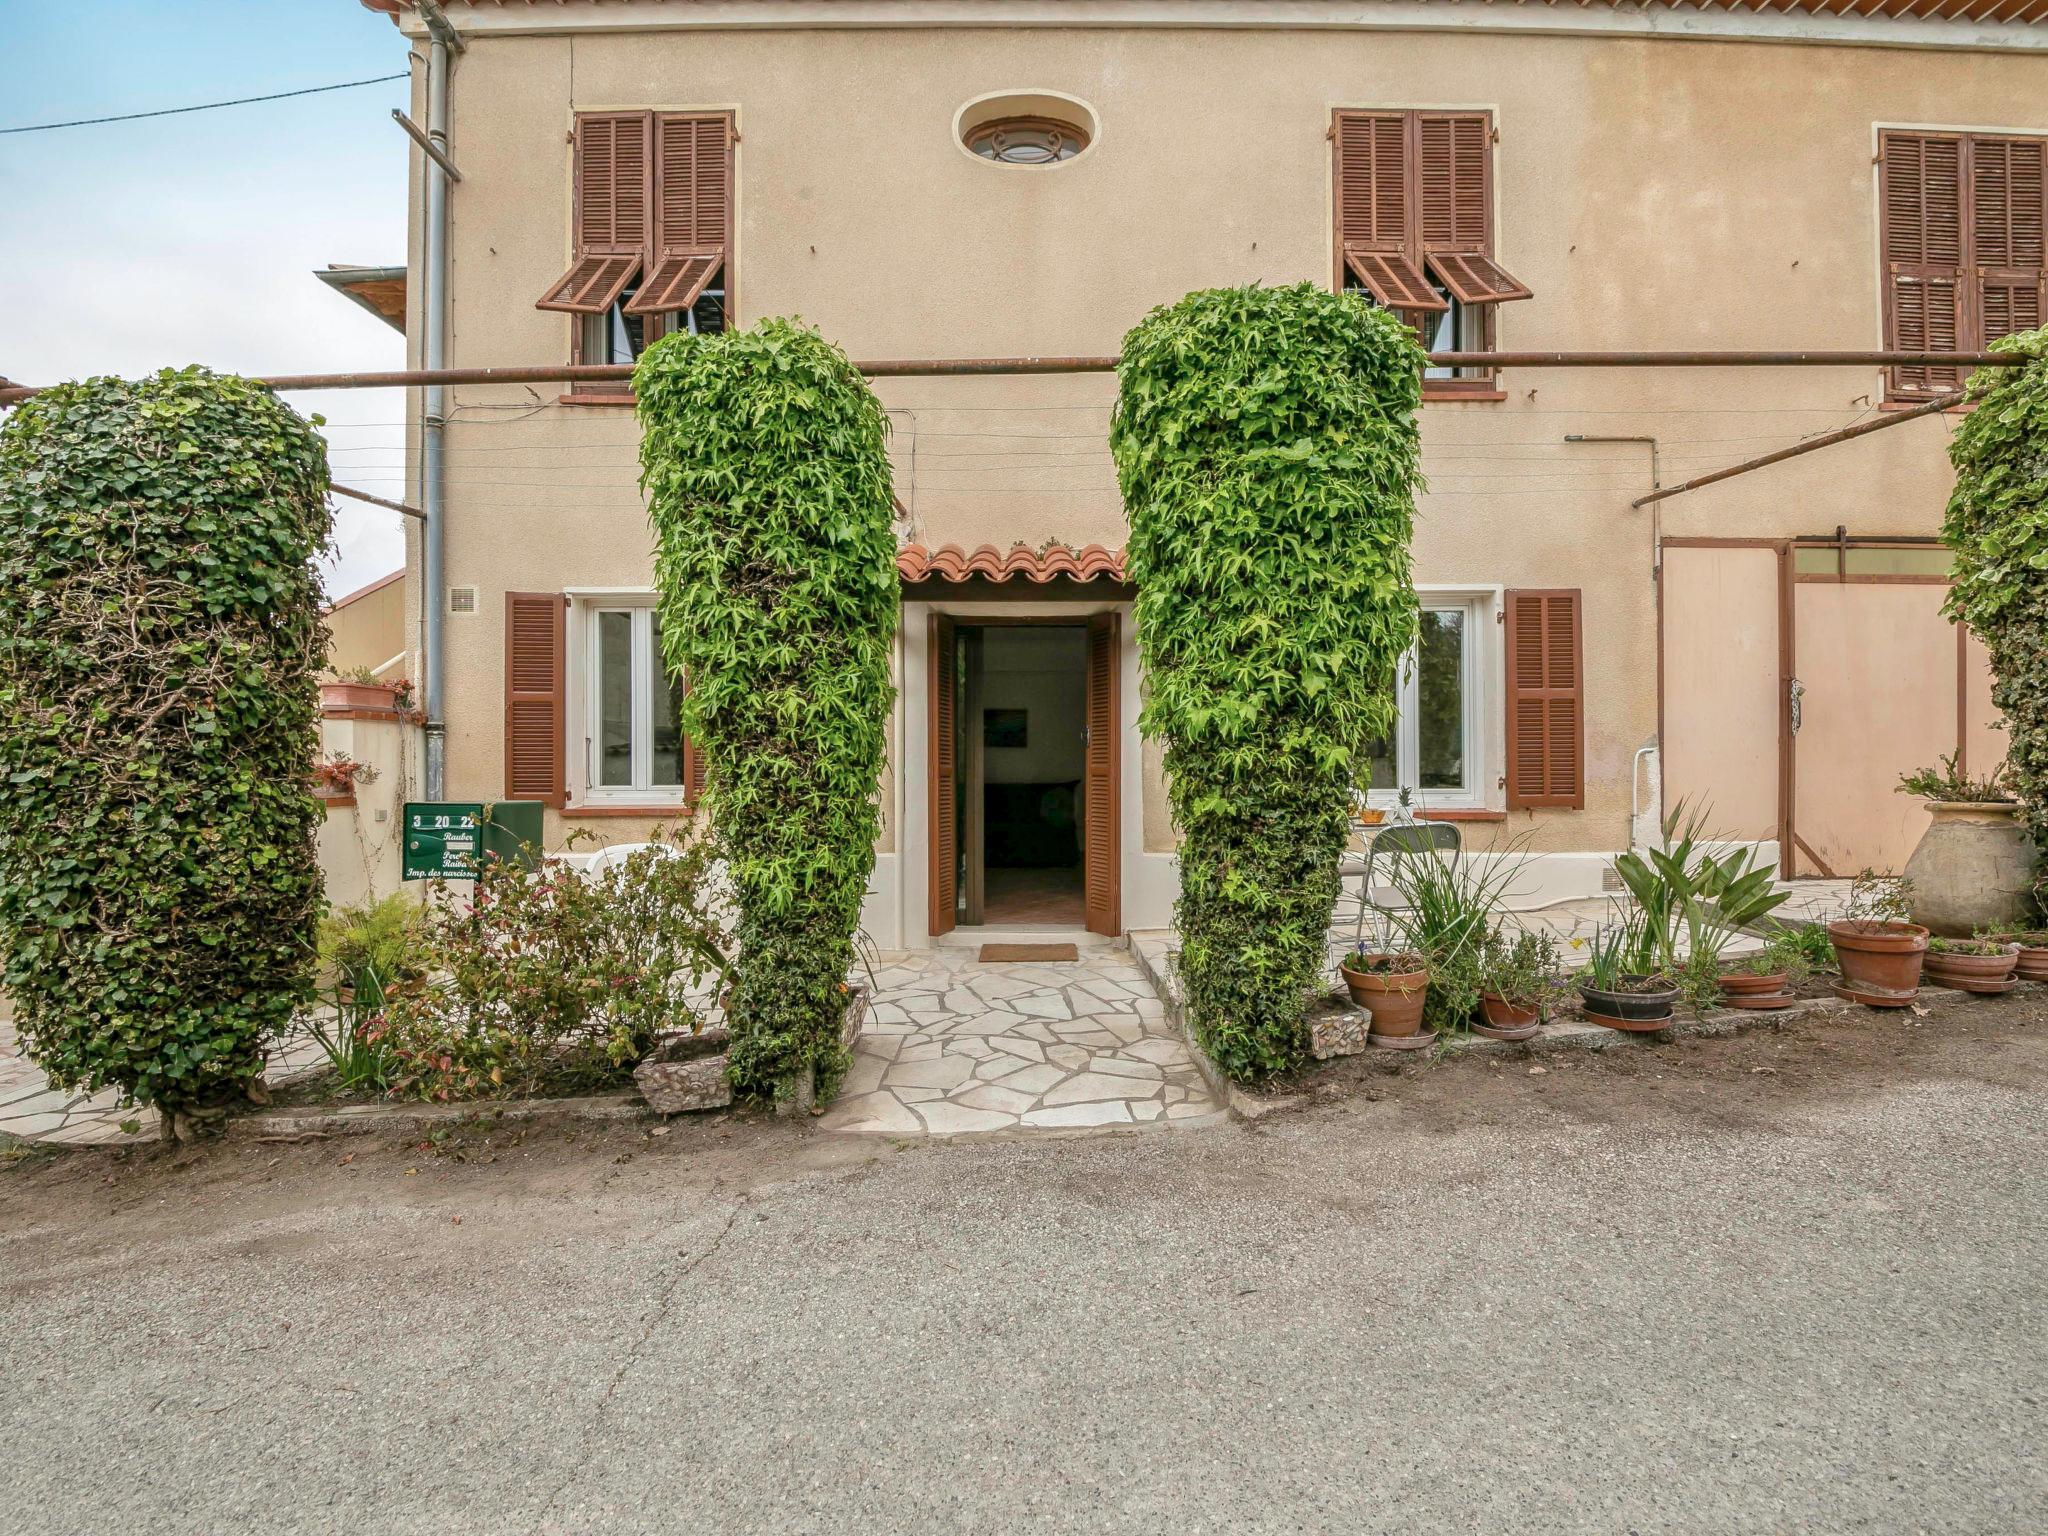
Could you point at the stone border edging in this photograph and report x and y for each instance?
(366, 1119)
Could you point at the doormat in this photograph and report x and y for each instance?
(992, 954)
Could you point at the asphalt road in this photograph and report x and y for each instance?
(1524, 1305)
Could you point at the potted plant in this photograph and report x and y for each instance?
(1621, 986)
(1447, 906)
(2033, 951)
(1877, 951)
(1974, 867)
(358, 688)
(1972, 965)
(1519, 980)
(1392, 988)
(1765, 978)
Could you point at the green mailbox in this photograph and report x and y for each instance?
(445, 838)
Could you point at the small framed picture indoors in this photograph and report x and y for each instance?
(1005, 727)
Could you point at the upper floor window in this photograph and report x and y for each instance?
(1960, 228)
(1027, 140)
(1414, 215)
(653, 227)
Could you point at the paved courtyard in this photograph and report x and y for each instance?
(954, 1047)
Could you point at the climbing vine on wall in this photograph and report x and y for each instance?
(763, 460)
(1266, 443)
(160, 638)
(1997, 524)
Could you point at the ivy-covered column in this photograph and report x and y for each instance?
(767, 480)
(1997, 524)
(160, 641)
(1266, 442)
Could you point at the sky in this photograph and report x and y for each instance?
(128, 247)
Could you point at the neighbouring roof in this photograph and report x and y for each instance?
(1920, 10)
(950, 562)
(360, 592)
(380, 290)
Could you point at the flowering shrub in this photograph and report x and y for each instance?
(339, 774)
(557, 980)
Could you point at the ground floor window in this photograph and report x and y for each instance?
(1434, 749)
(634, 740)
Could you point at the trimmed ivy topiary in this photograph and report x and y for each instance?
(1997, 524)
(762, 456)
(1266, 443)
(160, 640)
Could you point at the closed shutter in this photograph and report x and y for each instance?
(1920, 195)
(1545, 700)
(2008, 179)
(1102, 840)
(693, 210)
(1376, 232)
(943, 778)
(614, 198)
(535, 690)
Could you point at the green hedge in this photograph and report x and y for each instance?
(1997, 524)
(768, 485)
(160, 640)
(1266, 442)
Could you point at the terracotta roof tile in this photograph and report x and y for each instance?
(950, 562)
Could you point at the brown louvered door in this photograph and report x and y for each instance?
(2008, 181)
(1920, 195)
(943, 776)
(535, 689)
(1545, 700)
(614, 196)
(1102, 852)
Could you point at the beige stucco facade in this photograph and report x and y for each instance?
(1654, 192)
(366, 629)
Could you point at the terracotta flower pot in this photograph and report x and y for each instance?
(1500, 1019)
(1637, 1011)
(373, 696)
(1879, 961)
(1972, 868)
(1746, 989)
(2033, 962)
(1973, 973)
(1393, 998)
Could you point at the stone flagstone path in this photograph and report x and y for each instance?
(953, 1047)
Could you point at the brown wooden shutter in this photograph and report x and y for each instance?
(1920, 211)
(535, 697)
(1454, 199)
(943, 775)
(1102, 850)
(614, 202)
(1546, 700)
(2008, 185)
(692, 210)
(1376, 231)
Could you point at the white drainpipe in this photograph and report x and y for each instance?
(433, 405)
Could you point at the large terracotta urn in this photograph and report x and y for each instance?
(1973, 868)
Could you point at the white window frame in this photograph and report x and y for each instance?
(585, 700)
(1478, 681)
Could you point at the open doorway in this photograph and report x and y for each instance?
(1024, 774)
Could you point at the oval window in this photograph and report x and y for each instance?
(1027, 140)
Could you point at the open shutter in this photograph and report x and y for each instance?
(1546, 700)
(943, 778)
(535, 696)
(2008, 185)
(692, 210)
(1920, 210)
(614, 195)
(1102, 848)
(1454, 199)
(1376, 233)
